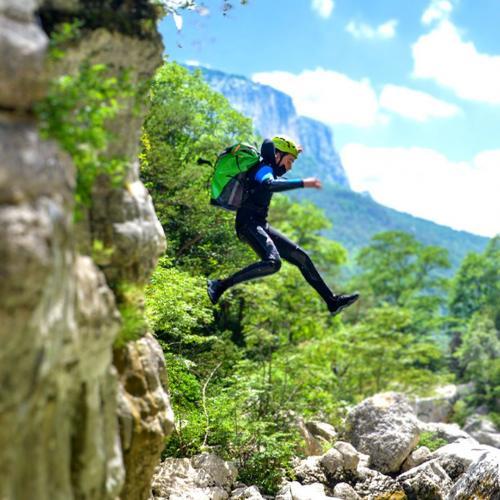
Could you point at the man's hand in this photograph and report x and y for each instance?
(312, 182)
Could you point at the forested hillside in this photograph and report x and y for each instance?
(241, 373)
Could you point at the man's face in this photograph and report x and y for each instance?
(287, 161)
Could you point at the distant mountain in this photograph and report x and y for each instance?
(273, 112)
(356, 217)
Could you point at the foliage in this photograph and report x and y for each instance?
(476, 285)
(177, 304)
(385, 352)
(431, 440)
(397, 268)
(76, 112)
(130, 303)
(188, 121)
(479, 357)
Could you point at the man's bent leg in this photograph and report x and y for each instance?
(260, 241)
(294, 254)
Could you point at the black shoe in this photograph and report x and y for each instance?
(340, 302)
(214, 290)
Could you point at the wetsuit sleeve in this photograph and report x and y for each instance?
(265, 177)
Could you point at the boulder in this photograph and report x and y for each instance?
(310, 470)
(417, 457)
(429, 481)
(455, 458)
(373, 484)
(350, 456)
(322, 430)
(384, 427)
(439, 406)
(345, 491)
(203, 477)
(297, 491)
(332, 461)
(246, 493)
(481, 480)
(482, 430)
(318, 436)
(313, 445)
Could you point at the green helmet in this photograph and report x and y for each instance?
(286, 145)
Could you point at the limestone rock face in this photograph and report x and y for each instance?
(125, 221)
(482, 479)
(385, 428)
(203, 477)
(145, 413)
(59, 425)
(22, 52)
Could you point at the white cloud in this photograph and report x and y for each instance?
(323, 7)
(193, 62)
(327, 96)
(425, 183)
(442, 56)
(362, 30)
(415, 104)
(438, 10)
(334, 98)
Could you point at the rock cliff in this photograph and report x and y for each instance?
(79, 418)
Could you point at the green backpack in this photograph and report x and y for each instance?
(228, 184)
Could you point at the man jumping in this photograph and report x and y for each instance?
(270, 245)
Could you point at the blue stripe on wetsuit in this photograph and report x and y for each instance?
(265, 177)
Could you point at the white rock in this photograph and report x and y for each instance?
(455, 458)
(436, 408)
(345, 492)
(417, 457)
(350, 457)
(205, 476)
(309, 470)
(332, 460)
(428, 480)
(483, 430)
(385, 427)
(481, 480)
(297, 491)
(246, 493)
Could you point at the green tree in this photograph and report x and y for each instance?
(188, 121)
(397, 269)
(476, 285)
(479, 358)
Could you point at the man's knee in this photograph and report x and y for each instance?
(274, 265)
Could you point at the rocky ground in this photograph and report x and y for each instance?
(377, 458)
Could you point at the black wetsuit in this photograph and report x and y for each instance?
(268, 243)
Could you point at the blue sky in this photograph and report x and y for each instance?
(411, 90)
